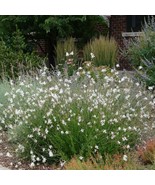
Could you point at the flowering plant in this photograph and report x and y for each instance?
(53, 118)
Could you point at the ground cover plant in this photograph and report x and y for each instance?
(53, 118)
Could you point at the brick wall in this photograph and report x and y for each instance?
(118, 24)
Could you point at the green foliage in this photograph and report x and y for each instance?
(104, 51)
(143, 47)
(51, 28)
(13, 58)
(141, 53)
(93, 27)
(50, 118)
(62, 25)
(146, 73)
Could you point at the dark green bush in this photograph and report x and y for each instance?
(14, 58)
(93, 27)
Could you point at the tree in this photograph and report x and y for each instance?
(46, 27)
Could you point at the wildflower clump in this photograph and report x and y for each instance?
(51, 118)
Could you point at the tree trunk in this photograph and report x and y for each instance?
(51, 52)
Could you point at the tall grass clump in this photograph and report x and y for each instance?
(66, 54)
(104, 51)
(50, 118)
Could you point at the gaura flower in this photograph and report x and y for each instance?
(67, 54)
(80, 157)
(125, 157)
(92, 55)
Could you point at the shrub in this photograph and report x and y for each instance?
(94, 26)
(53, 118)
(13, 58)
(143, 47)
(103, 51)
(141, 53)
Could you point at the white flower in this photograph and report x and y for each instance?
(117, 65)
(38, 159)
(96, 147)
(72, 53)
(125, 157)
(44, 160)
(88, 64)
(150, 87)
(6, 94)
(8, 154)
(62, 163)
(43, 149)
(32, 165)
(78, 74)
(46, 131)
(92, 55)
(82, 130)
(67, 54)
(49, 78)
(63, 122)
(30, 136)
(137, 84)
(49, 113)
(50, 153)
(103, 70)
(140, 67)
(124, 138)
(80, 68)
(50, 146)
(80, 157)
(119, 128)
(61, 91)
(21, 83)
(49, 121)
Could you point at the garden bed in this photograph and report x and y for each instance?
(9, 160)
